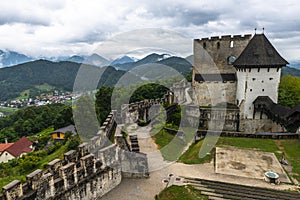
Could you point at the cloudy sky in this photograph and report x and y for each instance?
(67, 27)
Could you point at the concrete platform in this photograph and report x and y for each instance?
(247, 163)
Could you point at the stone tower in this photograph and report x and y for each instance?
(214, 76)
(258, 74)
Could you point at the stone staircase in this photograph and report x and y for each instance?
(220, 190)
(135, 147)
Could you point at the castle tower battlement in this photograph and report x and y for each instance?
(213, 69)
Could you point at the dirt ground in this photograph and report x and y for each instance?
(248, 163)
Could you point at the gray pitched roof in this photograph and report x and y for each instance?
(259, 53)
(65, 129)
(274, 108)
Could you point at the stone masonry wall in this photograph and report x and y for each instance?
(79, 176)
(217, 50)
(88, 173)
(211, 56)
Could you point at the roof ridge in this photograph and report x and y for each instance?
(260, 53)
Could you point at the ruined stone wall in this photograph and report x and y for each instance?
(211, 56)
(139, 110)
(179, 91)
(191, 114)
(102, 138)
(89, 173)
(213, 93)
(218, 50)
(260, 125)
(212, 118)
(79, 176)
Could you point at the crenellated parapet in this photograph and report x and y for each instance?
(225, 38)
(102, 138)
(131, 113)
(80, 175)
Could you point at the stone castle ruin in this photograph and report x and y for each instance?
(231, 77)
(88, 173)
(96, 168)
(234, 89)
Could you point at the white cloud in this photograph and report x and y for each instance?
(65, 27)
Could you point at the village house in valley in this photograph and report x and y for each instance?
(59, 134)
(9, 151)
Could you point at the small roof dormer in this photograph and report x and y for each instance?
(259, 53)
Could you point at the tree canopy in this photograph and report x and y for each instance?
(32, 120)
(289, 91)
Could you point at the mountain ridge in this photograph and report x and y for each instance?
(16, 79)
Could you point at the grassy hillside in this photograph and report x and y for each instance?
(42, 74)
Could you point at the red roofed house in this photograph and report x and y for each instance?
(9, 151)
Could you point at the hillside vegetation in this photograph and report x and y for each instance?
(30, 76)
(29, 121)
(289, 91)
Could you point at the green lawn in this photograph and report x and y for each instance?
(170, 146)
(292, 149)
(267, 145)
(191, 156)
(162, 138)
(181, 193)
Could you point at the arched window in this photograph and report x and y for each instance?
(231, 44)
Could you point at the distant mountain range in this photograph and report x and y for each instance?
(61, 72)
(294, 64)
(290, 71)
(10, 58)
(61, 75)
(123, 60)
(177, 63)
(93, 59)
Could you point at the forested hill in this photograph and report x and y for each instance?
(61, 75)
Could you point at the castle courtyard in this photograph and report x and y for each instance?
(252, 175)
(247, 163)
